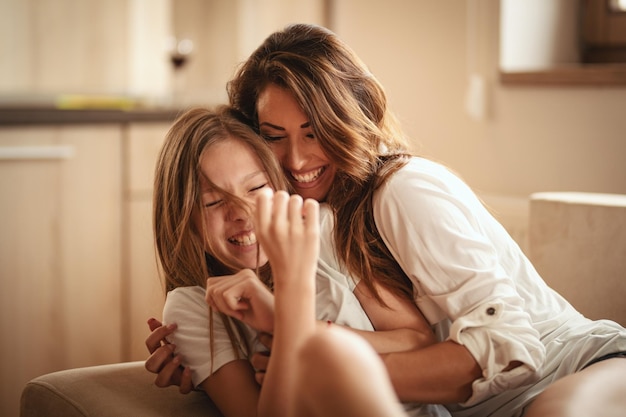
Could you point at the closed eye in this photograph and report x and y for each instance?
(272, 138)
(213, 203)
(259, 187)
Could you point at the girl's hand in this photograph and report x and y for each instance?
(288, 230)
(244, 297)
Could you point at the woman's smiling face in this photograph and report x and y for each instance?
(286, 128)
(232, 166)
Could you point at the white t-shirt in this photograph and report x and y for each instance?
(476, 287)
(187, 307)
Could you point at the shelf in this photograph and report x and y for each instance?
(574, 75)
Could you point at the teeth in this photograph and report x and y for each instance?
(308, 177)
(244, 240)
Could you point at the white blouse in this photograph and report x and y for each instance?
(476, 287)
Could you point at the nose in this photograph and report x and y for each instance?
(295, 155)
(236, 212)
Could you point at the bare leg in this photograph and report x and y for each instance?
(339, 374)
(598, 391)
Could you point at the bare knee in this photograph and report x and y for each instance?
(327, 352)
(599, 390)
(341, 374)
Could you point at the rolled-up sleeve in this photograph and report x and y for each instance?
(497, 336)
(452, 249)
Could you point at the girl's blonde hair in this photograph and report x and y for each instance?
(184, 258)
(347, 109)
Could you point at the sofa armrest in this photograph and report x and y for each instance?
(117, 390)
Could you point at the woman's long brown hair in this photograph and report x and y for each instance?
(347, 108)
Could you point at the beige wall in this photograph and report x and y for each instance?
(532, 139)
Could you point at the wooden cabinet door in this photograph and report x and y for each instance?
(60, 238)
(143, 287)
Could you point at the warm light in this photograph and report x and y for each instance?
(618, 5)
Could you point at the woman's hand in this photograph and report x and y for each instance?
(244, 297)
(260, 360)
(162, 360)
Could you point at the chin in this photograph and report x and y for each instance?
(313, 193)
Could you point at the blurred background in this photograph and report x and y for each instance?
(517, 96)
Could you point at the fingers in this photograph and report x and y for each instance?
(170, 374)
(259, 361)
(280, 215)
(311, 216)
(263, 215)
(153, 324)
(288, 230)
(186, 384)
(273, 213)
(158, 335)
(216, 292)
(160, 358)
(295, 209)
(266, 340)
(279, 206)
(259, 377)
(228, 294)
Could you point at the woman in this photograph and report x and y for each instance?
(412, 226)
(209, 173)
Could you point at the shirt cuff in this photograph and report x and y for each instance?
(497, 336)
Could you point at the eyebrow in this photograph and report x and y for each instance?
(254, 174)
(302, 126)
(211, 189)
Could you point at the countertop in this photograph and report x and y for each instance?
(35, 115)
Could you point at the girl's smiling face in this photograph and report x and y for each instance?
(283, 124)
(232, 167)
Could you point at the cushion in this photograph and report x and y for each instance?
(117, 390)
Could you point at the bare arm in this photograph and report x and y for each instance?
(400, 326)
(409, 357)
(233, 389)
(288, 230)
(441, 373)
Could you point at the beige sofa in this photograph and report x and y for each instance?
(118, 390)
(577, 242)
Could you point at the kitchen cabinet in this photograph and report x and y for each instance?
(77, 262)
(60, 258)
(143, 288)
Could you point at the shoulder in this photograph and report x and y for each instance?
(426, 197)
(420, 184)
(422, 173)
(185, 302)
(185, 295)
